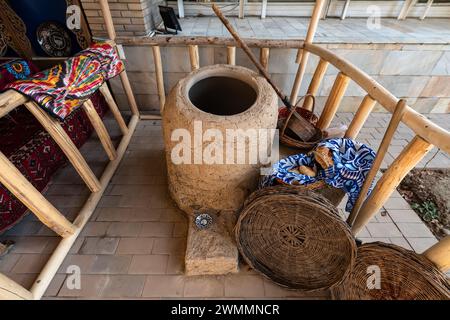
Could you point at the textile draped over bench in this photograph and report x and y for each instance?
(29, 147)
(351, 162)
(63, 88)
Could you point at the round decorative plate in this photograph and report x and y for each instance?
(54, 39)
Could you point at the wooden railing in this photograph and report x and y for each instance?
(427, 135)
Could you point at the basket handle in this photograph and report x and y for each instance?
(294, 108)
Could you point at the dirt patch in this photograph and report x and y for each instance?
(428, 193)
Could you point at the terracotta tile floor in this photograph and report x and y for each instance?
(134, 243)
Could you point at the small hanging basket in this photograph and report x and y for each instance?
(403, 275)
(295, 238)
(287, 137)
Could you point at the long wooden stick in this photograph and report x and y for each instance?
(11, 290)
(159, 77)
(408, 159)
(381, 153)
(56, 131)
(250, 54)
(231, 55)
(360, 117)
(23, 190)
(114, 108)
(320, 71)
(302, 128)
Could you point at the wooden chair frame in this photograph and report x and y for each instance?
(427, 133)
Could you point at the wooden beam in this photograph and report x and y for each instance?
(56, 131)
(264, 57)
(345, 9)
(319, 73)
(194, 57)
(150, 117)
(231, 55)
(407, 5)
(381, 153)
(164, 41)
(114, 108)
(427, 8)
(100, 129)
(241, 9)
(11, 290)
(51, 267)
(180, 6)
(439, 254)
(408, 159)
(129, 93)
(263, 9)
(364, 109)
(333, 101)
(26, 193)
(109, 24)
(159, 77)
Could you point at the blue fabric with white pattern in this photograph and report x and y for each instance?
(352, 161)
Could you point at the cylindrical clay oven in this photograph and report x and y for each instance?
(217, 124)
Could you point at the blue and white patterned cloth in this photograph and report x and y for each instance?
(352, 161)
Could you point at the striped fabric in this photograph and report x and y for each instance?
(63, 88)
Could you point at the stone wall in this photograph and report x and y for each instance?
(131, 17)
(419, 73)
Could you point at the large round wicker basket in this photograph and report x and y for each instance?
(403, 275)
(296, 238)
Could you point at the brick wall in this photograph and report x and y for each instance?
(131, 17)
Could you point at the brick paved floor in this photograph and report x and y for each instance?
(133, 245)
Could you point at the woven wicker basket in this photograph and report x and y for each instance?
(296, 238)
(404, 275)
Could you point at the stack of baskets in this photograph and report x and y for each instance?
(296, 238)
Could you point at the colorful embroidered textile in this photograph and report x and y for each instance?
(17, 69)
(31, 149)
(63, 88)
(351, 163)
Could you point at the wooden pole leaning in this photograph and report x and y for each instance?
(24, 191)
(100, 129)
(114, 108)
(159, 77)
(56, 131)
(194, 57)
(319, 73)
(360, 117)
(333, 101)
(381, 153)
(302, 55)
(231, 55)
(408, 159)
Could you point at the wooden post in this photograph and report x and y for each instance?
(114, 108)
(241, 9)
(302, 55)
(180, 5)
(360, 117)
(333, 101)
(23, 190)
(345, 9)
(100, 129)
(427, 8)
(56, 131)
(264, 57)
(408, 159)
(263, 9)
(194, 57)
(382, 150)
(408, 4)
(11, 290)
(159, 77)
(106, 13)
(320, 71)
(231, 55)
(439, 254)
